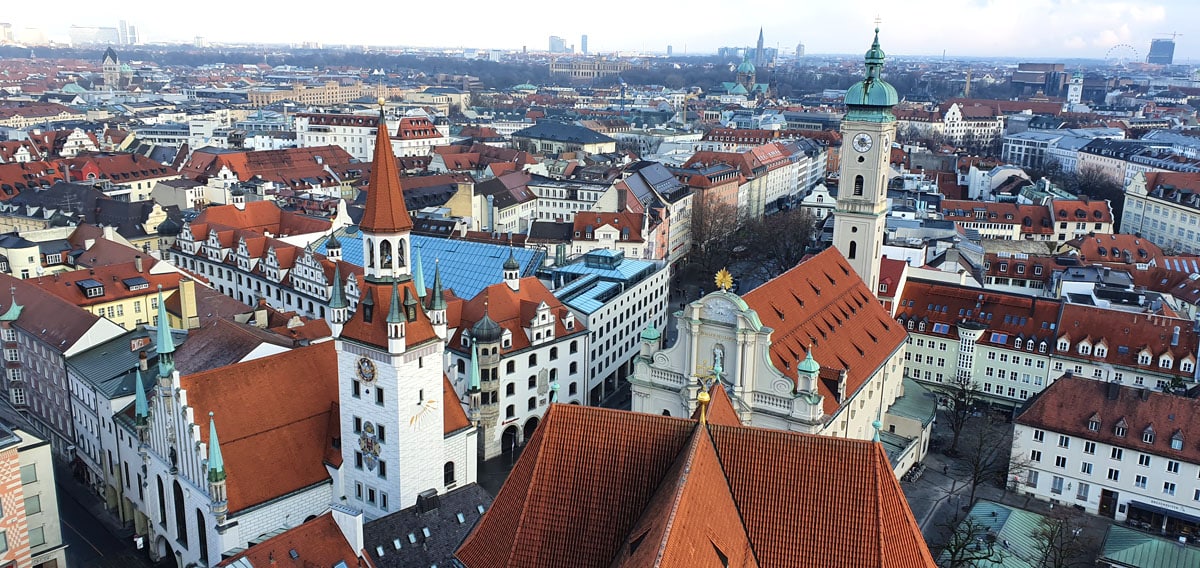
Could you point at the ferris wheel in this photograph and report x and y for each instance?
(1121, 55)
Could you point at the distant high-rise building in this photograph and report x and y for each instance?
(123, 32)
(670, 50)
(6, 32)
(583, 44)
(557, 45)
(1162, 52)
(90, 35)
(799, 50)
(133, 36)
(199, 42)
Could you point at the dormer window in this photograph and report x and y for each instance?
(1042, 347)
(1094, 425)
(910, 325)
(1120, 428)
(1177, 440)
(1037, 270)
(1148, 435)
(1085, 349)
(1017, 343)
(91, 288)
(921, 327)
(1064, 345)
(1186, 366)
(1101, 351)
(1165, 361)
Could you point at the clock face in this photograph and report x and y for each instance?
(862, 142)
(366, 370)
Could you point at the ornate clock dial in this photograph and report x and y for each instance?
(862, 142)
(366, 370)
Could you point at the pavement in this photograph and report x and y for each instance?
(942, 493)
(94, 538)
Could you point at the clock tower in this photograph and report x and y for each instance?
(868, 130)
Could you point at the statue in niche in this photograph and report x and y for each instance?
(385, 254)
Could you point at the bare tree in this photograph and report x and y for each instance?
(780, 241)
(960, 398)
(713, 223)
(969, 541)
(1058, 542)
(986, 455)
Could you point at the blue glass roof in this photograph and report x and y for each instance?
(467, 267)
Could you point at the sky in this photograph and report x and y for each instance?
(975, 28)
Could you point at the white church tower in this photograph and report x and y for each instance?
(868, 130)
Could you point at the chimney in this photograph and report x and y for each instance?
(137, 263)
(143, 362)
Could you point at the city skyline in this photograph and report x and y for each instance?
(1016, 28)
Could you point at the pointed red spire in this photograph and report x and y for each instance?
(385, 211)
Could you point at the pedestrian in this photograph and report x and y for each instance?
(945, 469)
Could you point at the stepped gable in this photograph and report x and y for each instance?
(598, 488)
(823, 303)
(384, 212)
(273, 410)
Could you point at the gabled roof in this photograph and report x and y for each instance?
(292, 395)
(823, 305)
(47, 317)
(562, 132)
(385, 211)
(319, 542)
(690, 494)
(1069, 403)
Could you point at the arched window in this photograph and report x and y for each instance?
(858, 185)
(180, 517)
(400, 253)
(200, 530)
(853, 250)
(666, 412)
(385, 254)
(162, 504)
(448, 473)
(370, 253)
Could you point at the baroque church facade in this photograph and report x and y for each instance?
(812, 350)
(360, 426)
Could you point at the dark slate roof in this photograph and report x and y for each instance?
(446, 532)
(110, 366)
(551, 231)
(562, 132)
(13, 240)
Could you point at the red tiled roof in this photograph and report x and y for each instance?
(1079, 210)
(454, 417)
(293, 395)
(1069, 403)
(588, 222)
(384, 211)
(720, 408)
(66, 285)
(1127, 334)
(514, 311)
(319, 542)
(263, 216)
(374, 332)
(1033, 219)
(824, 305)
(1009, 315)
(598, 487)
(295, 168)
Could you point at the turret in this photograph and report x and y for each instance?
(512, 272)
(806, 374)
(807, 401)
(473, 387)
(339, 308)
(436, 307)
(216, 473)
(166, 345)
(141, 408)
(395, 323)
(651, 341)
(418, 273)
(333, 248)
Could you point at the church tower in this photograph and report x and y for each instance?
(868, 130)
(1075, 90)
(389, 361)
(110, 69)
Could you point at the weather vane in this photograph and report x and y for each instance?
(724, 280)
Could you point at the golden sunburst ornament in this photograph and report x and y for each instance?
(724, 280)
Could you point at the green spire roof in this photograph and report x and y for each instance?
(338, 298)
(809, 365)
(438, 301)
(216, 465)
(394, 311)
(141, 407)
(333, 242)
(872, 92)
(165, 344)
(474, 376)
(875, 55)
(418, 273)
(14, 310)
(511, 263)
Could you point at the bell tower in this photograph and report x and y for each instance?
(386, 224)
(868, 130)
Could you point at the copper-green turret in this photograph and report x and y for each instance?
(141, 406)
(418, 272)
(216, 463)
(437, 300)
(166, 345)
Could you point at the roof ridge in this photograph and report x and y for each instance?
(688, 455)
(227, 442)
(533, 473)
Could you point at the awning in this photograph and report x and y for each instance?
(1164, 511)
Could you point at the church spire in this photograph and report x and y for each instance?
(337, 300)
(438, 300)
(394, 311)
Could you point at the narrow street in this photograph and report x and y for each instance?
(90, 542)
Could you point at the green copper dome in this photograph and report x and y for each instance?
(650, 333)
(746, 66)
(809, 365)
(872, 93)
